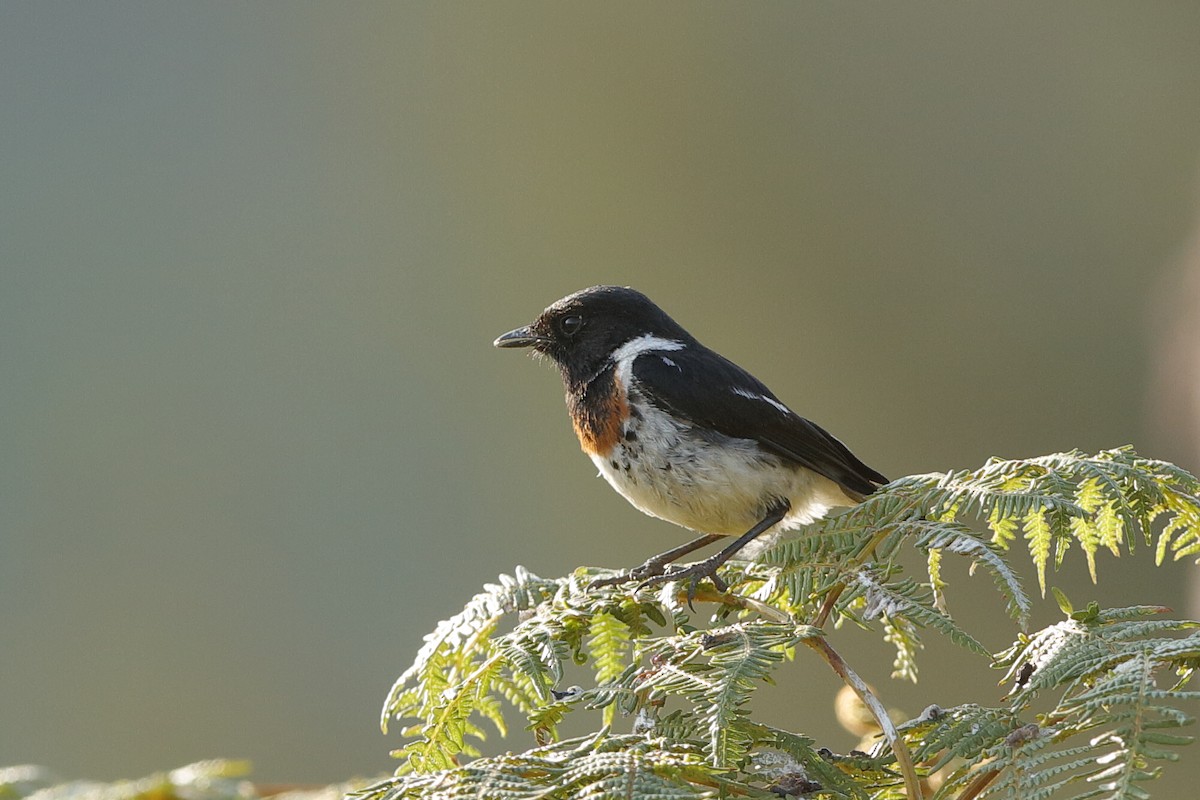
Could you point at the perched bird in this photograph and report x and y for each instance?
(683, 433)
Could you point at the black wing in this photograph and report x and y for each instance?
(710, 390)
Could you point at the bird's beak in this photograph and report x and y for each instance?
(521, 337)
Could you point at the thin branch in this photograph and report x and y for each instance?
(978, 784)
(912, 783)
(827, 607)
(738, 601)
(834, 593)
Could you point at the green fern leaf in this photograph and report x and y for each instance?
(908, 600)
(961, 540)
(1127, 702)
(1038, 537)
(598, 767)
(902, 634)
(839, 778)
(513, 644)
(718, 671)
(609, 643)
(1004, 528)
(964, 732)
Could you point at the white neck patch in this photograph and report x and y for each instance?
(626, 354)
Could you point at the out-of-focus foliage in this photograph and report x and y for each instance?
(204, 780)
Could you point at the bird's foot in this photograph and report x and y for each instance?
(693, 574)
(648, 571)
(655, 571)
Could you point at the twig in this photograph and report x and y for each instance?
(978, 784)
(739, 601)
(864, 552)
(912, 783)
(827, 606)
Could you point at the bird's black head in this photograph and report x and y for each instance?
(581, 331)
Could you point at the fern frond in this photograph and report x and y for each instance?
(798, 572)
(688, 690)
(609, 643)
(1010, 489)
(717, 671)
(1031, 768)
(1104, 663)
(538, 650)
(740, 660)
(599, 766)
(1039, 537)
(902, 634)
(909, 600)
(1106, 501)
(1181, 535)
(451, 681)
(933, 567)
(1092, 529)
(835, 777)
(680, 725)
(1005, 529)
(961, 540)
(1135, 717)
(517, 689)
(1092, 643)
(1060, 654)
(801, 568)
(964, 732)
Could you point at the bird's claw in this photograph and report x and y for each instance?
(693, 574)
(643, 573)
(654, 573)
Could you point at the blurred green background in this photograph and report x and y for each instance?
(252, 257)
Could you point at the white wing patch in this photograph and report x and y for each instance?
(762, 399)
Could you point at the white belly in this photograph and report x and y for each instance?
(710, 483)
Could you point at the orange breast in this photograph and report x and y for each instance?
(599, 420)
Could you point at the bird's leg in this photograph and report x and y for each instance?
(708, 567)
(656, 565)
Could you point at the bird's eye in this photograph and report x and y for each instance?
(570, 325)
